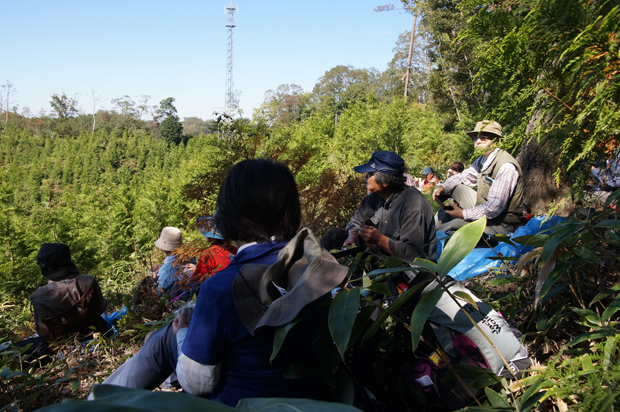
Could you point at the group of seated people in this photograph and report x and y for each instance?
(222, 349)
(179, 277)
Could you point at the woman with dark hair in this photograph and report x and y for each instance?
(455, 169)
(224, 350)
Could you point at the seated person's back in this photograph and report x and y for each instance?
(70, 302)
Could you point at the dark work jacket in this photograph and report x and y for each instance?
(406, 218)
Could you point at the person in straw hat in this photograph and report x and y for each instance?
(499, 180)
(224, 350)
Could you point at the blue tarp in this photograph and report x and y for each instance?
(114, 316)
(476, 263)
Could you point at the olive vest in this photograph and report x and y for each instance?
(514, 210)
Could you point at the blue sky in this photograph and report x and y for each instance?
(178, 48)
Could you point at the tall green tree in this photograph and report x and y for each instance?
(64, 106)
(171, 128)
(342, 86)
(281, 106)
(551, 71)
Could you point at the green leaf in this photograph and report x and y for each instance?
(546, 269)
(611, 309)
(503, 280)
(460, 245)
(557, 238)
(380, 288)
(468, 371)
(585, 254)
(603, 295)
(485, 380)
(401, 300)
(342, 317)
(588, 314)
(601, 333)
(140, 400)
(487, 409)
(586, 364)
(393, 261)
(530, 391)
(280, 336)
(554, 276)
(361, 320)
(532, 401)
(503, 258)
(551, 322)
(466, 297)
(528, 257)
(386, 270)
(423, 309)
(291, 405)
(110, 397)
(504, 239)
(424, 264)
(496, 399)
(609, 224)
(75, 385)
(537, 240)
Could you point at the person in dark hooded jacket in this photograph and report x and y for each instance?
(70, 302)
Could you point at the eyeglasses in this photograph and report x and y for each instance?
(369, 175)
(482, 137)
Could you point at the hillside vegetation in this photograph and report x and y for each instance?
(548, 71)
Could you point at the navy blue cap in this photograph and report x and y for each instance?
(427, 170)
(384, 162)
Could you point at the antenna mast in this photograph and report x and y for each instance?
(230, 104)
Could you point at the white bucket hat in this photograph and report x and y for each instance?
(170, 239)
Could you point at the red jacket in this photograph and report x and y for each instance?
(212, 261)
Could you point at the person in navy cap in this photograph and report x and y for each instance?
(394, 218)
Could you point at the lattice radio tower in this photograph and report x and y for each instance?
(230, 104)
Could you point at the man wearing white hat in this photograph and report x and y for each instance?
(499, 179)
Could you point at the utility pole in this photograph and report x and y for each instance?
(230, 104)
(389, 7)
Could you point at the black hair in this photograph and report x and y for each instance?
(257, 201)
(394, 183)
(457, 167)
(218, 242)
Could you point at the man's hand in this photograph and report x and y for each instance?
(456, 212)
(438, 191)
(353, 238)
(180, 322)
(372, 236)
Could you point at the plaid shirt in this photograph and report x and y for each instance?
(502, 188)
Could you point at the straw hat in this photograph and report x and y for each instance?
(486, 127)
